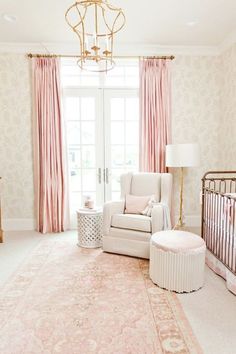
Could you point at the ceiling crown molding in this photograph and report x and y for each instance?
(21, 48)
(153, 49)
(228, 42)
(120, 49)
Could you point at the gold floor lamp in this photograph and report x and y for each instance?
(182, 155)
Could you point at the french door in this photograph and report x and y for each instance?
(102, 138)
(121, 118)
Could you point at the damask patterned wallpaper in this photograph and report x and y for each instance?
(15, 137)
(204, 111)
(227, 134)
(196, 119)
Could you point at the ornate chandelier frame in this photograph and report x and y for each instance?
(95, 46)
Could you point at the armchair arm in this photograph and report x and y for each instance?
(160, 217)
(166, 189)
(109, 209)
(157, 218)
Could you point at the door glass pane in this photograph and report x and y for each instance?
(117, 108)
(88, 156)
(73, 132)
(117, 133)
(132, 133)
(117, 156)
(132, 157)
(87, 108)
(75, 201)
(72, 105)
(132, 108)
(74, 158)
(75, 180)
(115, 184)
(88, 132)
(89, 180)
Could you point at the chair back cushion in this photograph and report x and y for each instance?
(146, 184)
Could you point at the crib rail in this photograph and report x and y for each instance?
(219, 215)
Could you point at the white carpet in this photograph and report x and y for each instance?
(211, 312)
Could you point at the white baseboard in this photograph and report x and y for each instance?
(191, 220)
(30, 224)
(18, 224)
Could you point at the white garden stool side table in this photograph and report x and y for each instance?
(89, 228)
(177, 260)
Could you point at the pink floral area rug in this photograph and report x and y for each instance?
(68, 300)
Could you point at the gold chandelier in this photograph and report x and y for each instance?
(95, 22)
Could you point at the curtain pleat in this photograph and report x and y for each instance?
(51, 195)
(155, 114)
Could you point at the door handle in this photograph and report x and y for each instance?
(99, 175)
(107, 175)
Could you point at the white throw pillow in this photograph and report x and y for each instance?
(148, 210)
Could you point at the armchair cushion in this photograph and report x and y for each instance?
(132, 222)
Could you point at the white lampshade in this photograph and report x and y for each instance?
(182, 155)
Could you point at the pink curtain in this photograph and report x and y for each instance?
(49, 157)
(155, 114)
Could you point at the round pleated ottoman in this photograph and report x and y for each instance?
(177, 260)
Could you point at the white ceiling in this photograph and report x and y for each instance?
(159, 22)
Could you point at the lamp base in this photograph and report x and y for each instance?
(179, 226)
(180, 223)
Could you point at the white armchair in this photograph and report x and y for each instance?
(130, 234)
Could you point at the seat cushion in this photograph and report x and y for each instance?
(130, 235)
(178, 241)
(132, 222)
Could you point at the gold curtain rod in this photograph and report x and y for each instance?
(171, 57)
